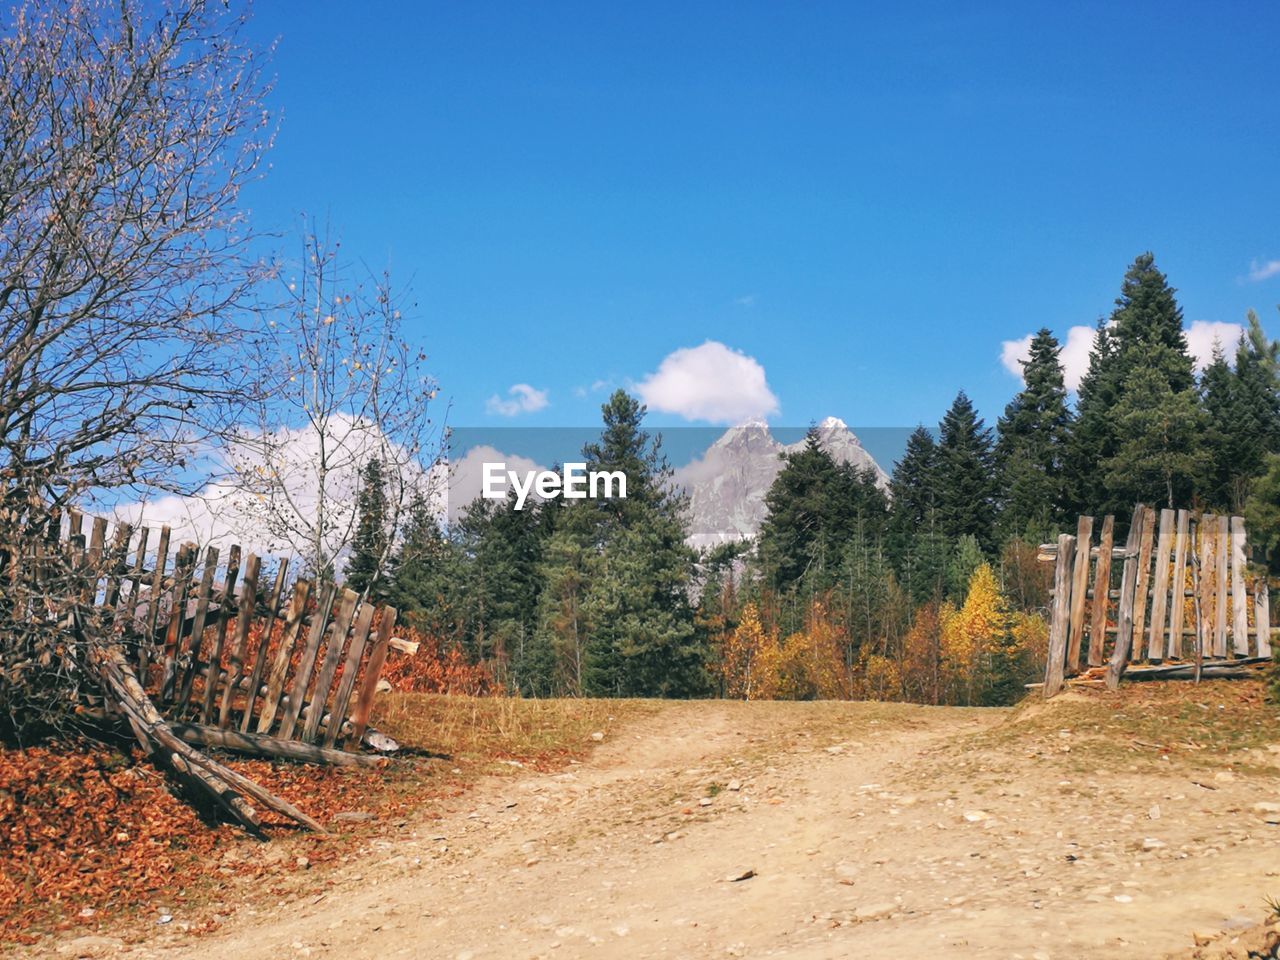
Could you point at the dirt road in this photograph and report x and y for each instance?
(808, 831)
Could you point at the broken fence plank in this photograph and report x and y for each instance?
(347, 681)
(373, 672)
(1140, 588)
(239, 646)
(1124, 624)
(1079, 587)
(1101, 592)
(264, 643)
(1179, 602)
(226, 607)
(1160, 587)
(1239, 598)
(329, 666)
(302, 679)
(1060, 623)
(1262, 618)
(288, 637)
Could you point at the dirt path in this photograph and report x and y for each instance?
(872, 830)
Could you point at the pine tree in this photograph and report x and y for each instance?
(1242, 408)
(1147, 325)
(815, 507)
(1031, 446)
(643, 641)
(425, 585)
(1160, 456)
(916, 545)
(966, 482)
(369, 546)
(1092, 439)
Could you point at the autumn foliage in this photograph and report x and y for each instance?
(978, 653)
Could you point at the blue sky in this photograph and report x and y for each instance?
(866, 200)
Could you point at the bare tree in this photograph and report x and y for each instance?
(126, 134)
(345, 388)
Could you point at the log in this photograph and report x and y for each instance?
(271, 747)
(226, 787)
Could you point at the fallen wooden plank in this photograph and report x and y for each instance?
(273, 747)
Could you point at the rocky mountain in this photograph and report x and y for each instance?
(728, 483)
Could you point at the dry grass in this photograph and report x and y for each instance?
(1207, 725)
(480, 730)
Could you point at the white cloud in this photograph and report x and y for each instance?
(278, 517)
(1074, 356)
(1075, 352)
(466, 475)
(1202, 334)
(1263, 271)
(711, 382)
(521, 398)
(1014, 353)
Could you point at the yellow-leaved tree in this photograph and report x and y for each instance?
(970, 635)
(749, 663)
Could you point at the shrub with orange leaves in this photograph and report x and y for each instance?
(438, 667)
(810, 663)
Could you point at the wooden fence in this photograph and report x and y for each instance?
(1182, 598)
(235, 655)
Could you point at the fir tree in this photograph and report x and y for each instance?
(1092, 439)
(966, 482)
(643, 641)
(1242, 409)
(916, 544)
(1031, 446)
(369, 546)
(1160, 456)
